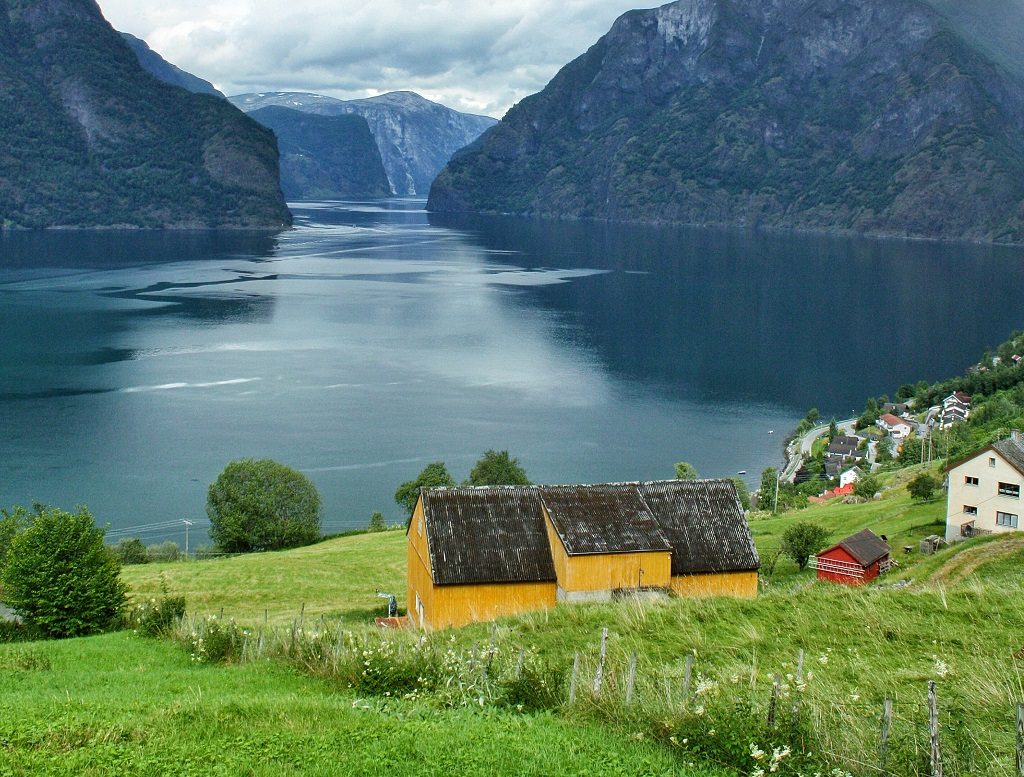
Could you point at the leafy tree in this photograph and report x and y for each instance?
(802, 540)
(433, 475)
(131, 550)
(833, 429)
(867, 486)
(923, 486)
(11, 522)
(497, 468)
(686, 471)
(60, 576)
(742, 492)
(766, 495)
(259, 504)
(376, 523)
(872, 411)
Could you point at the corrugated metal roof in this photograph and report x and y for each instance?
(603, 519)
(487, 535)
(704, 521)
(1012, 451)
(865, 546)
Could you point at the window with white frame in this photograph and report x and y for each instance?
(991, 461)
(1006, 519)
(970, 480)
(970, 510)
(1009, 489)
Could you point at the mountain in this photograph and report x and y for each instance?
(880, 117)
(416, 137)
(157, 66)
(89, 139)
(325, 157)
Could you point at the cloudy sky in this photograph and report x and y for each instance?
(479, 56)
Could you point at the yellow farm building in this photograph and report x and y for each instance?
(485, 552)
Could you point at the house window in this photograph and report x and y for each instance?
(970, 510)
(970, 480)
(1009, 489)
(1006, 519)
(991, 461)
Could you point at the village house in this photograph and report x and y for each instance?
(850, 476)
(856, 560)
(896, 427)
(984, 490)
(902, 409)
(478, 553)
(955, 408)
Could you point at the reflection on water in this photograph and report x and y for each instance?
(369, 341)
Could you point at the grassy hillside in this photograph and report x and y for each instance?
(121, 704)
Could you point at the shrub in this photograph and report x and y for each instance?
(131, 550)
(215, 641)
(923, 486)
(259, 504)
(376, 523)
(163, 551)
(61, 578)
(158, 617)
(536, 686)
(802, 540)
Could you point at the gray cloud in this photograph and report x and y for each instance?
(475, 56)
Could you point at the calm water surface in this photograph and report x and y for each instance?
(373, 339)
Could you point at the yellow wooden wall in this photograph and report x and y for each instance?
(607, 571)
(456, 605)
(740, 584)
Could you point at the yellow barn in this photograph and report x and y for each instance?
(481, 553)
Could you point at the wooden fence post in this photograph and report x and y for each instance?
(575, 677)
(773, 702)
(631, 679)
(883, 742)
(798, 695)
(599, 674)
(687, 674)
(933, 731)
(519, 662)
(1020, 739)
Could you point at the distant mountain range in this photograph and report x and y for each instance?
(89, 139)
(415, 136)
(885, 117)
(157, 66)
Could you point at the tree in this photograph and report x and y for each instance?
(742, 492)
(802, 540)
(766, 494)
(433, 475)
(259, 504)
(833, 429)
(131, 550)
(60, 576)
(497, 468)
(376, 523)
(866, 487)
(923, 486)
(686, 471)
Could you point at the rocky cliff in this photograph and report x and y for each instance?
(870, 116)
(89, 139)
(416, 137)
(325, 157)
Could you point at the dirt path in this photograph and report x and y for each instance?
(963, 564)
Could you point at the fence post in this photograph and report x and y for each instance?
(1020, 739)
(933, 731)
(519, 662)
(798, 695)
(883, 742)
(773, 702)
(631, 679)
(687, 674)
(575, 677)
(599, 674)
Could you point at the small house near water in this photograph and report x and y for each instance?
(486, 552)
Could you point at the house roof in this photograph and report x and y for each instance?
(892, 420)
(846, 439)
(603, 519)
(1011, 449)
(865, 546)
(704, 521)
(487, 535)
(497, 534)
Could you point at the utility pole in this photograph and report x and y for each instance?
(187, 524)
(775, 507)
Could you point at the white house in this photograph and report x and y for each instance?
(851, 475)
(897, 427)
(984, 494)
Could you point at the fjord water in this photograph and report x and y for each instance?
(372, 339)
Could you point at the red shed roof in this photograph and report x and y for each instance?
(865, 546)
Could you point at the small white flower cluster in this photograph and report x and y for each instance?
(772, 764)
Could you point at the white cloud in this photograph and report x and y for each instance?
(474, 56)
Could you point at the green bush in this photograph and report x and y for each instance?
(259, 504)
(536, 686)
(376, 523)
(163, 551)
(131, 550)
(158, 617)
(61, 578)
(215, 641)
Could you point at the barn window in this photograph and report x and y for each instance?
(1009, 489)
(1006, 519)
(970, 510)
(991, 461)
(970, 480)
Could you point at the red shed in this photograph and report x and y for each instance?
(856, 560)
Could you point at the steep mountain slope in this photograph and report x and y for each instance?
(416, 137)
(157, 66)
(90, 139)
(332, 157)
(870, 116)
